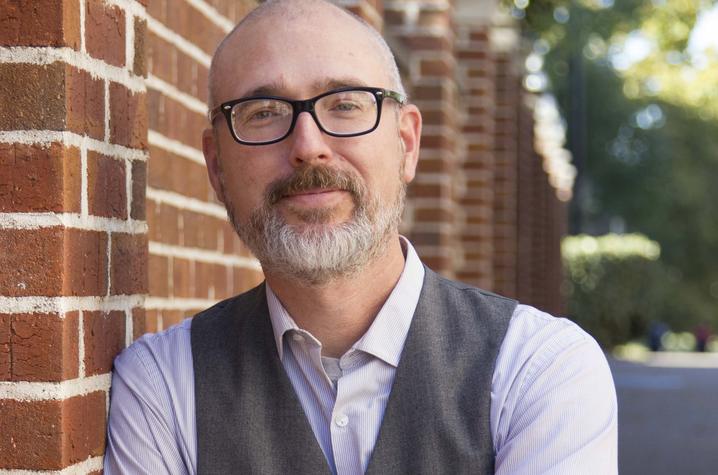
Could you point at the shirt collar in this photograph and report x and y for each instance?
(386, 336)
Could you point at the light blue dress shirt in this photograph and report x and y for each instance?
(553, 403)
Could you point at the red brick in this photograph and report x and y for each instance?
(52, 97)
(151, 321)
(159, 276)
(40, 23)
(31, 261)
(139, 66)
(85, 266)
(129, 264)
(128, 117)
(197, 28)
(43, 347)
(139, 323)
(429, 43)
(173, 173)
(85, 103)
(435, 67)
(173, 317)
(104, 339)
(51, 435)
(32, 435)
(37, 178)
(139, 189)
(105, 32)
(182, 282)
(161, 58)
(37, 95)
(106, 188)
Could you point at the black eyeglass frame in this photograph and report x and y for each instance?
(306, 106)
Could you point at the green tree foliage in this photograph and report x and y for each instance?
(643, 129)
(614, 284)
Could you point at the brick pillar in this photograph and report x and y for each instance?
(73, 241)
(195, 257)
(508, 86)
(423, 32)
(372, 11)
(475, 73)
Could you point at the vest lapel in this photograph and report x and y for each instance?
(437, 417)
(249, 419)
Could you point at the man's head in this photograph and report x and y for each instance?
(312, 205)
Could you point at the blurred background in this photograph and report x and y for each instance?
(636, 83)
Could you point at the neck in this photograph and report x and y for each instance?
(339, 312)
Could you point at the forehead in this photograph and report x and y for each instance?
(299, 56)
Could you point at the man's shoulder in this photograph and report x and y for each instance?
(459, 286)
(167, 348)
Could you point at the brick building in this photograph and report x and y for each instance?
(109, 228)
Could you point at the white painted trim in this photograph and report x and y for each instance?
(71, 139)
(203, 255)
(46, 55)
(169, 90)
(185, 202)
(63, 305)
(31, 391)
(212, 15)
(91, 464)
(70, 220)
(176, 147)
(158, 303)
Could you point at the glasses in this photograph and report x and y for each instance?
(345, 112)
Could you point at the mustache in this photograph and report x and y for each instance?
(313, 177)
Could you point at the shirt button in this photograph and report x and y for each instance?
(297, 337)
(341, 420)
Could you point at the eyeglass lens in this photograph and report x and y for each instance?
(341, 113)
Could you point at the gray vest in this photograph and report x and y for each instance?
(250, 421)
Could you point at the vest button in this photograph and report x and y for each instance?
(341, 420)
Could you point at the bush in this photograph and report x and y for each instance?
(615, 285)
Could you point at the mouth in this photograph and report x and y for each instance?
(315, 197)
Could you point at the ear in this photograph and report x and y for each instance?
(210, 148)
(410, 135)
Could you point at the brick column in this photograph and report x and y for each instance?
(73, 242)
(195, 257)
(508, 89)
(423, 32)
(372, 11)
(476, 73)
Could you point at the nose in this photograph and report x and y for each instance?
(308, 142)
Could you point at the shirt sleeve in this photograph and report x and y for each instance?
(142, 435)
(558, 414)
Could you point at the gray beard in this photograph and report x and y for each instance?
(317, 252)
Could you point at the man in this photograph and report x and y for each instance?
(351, 357)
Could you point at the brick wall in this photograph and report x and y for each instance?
(108, 225)
(195, 257)
(73, 234)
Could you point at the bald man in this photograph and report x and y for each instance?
(352, 357)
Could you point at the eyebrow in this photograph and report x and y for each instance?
(279, 88)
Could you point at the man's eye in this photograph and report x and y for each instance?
(346, 106)
(265, 114)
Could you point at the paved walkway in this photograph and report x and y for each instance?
(668, 414)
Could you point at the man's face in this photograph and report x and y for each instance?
(310, 182)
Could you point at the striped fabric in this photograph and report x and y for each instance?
(553, 400)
